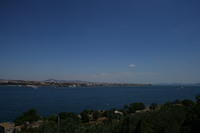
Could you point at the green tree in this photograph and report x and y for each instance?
(96, 115)
(135, 106)
(187, 103)
(29, 116)
(68, 116)
(85, 115)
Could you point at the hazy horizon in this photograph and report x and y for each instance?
(102, 41)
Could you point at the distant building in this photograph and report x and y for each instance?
(7, 127)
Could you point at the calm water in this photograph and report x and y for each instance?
(49, 100)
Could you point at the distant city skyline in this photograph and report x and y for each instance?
(101, 40)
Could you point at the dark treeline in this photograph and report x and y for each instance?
(180, 116)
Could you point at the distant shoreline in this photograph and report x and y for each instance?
(35, 84)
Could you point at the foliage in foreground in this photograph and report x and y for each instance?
(172, 117)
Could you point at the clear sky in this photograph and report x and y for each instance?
(139, 41)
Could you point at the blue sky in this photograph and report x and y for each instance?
(139, 41)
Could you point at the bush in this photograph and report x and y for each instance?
(135, 106)
(187, 102)
(153, 106)
(29, 116)
(85, 115)
(68, 116)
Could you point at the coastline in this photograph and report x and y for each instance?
(32, 121)
(71, 84)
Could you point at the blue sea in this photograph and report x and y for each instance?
(50, 100)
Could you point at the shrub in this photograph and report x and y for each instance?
(135, 106)
(29, 116)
